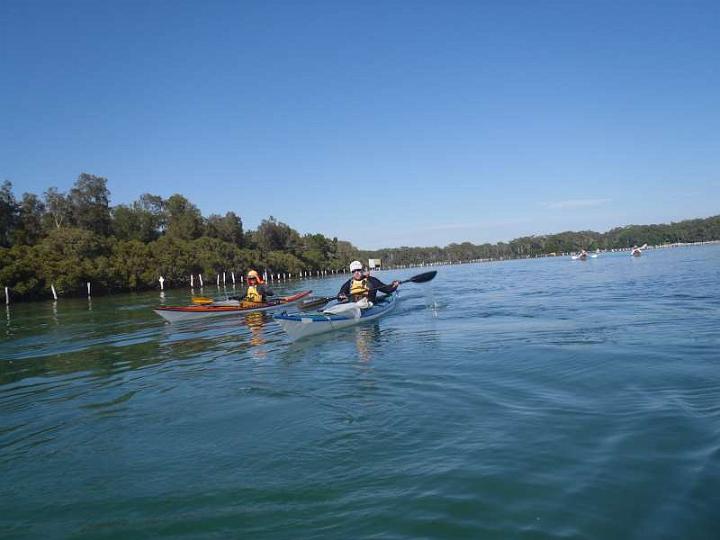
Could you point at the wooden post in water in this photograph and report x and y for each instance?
(200, 278)
(7, 296)
(192, 281)
(52, 288)
(223, 279)
(218, 280)
(232, 275)
(88, 287)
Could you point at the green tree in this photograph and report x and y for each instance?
(30, 220)
(90, 201)
(133, 266)
(69, 257)
(184, 220)
(227, 228)
(19, 271)
(142, 221)
(274, 235)
(58, 209)
(8, 214)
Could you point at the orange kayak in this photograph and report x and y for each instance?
(181, 313)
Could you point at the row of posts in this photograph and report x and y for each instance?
(267, 277)
(305, 274)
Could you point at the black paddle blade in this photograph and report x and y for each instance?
(422, 278)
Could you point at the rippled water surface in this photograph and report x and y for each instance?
(527, 399)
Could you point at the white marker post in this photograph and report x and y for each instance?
(52, 288)
(88, 287)
(232, 275)
(192, 281)
(7, 296)
(162, 283)
(218, 280)
(223, 279)
(201, 283)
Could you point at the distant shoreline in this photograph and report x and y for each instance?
(553, 255)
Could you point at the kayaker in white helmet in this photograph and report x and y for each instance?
(362, 285)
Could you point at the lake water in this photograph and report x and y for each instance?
(542, 398)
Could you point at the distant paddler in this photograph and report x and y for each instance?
(582, 256)
(637, 251)
(256, 291)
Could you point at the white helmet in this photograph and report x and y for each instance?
(355, 265)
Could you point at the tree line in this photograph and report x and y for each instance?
(70, 238)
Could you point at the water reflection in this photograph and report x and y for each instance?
(365, 337)
(256, 322)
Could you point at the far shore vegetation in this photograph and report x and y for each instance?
(69, 239)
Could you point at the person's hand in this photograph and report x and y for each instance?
(342, 297)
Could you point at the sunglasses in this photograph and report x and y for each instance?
(356, 271)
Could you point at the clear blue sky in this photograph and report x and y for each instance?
(383, 123)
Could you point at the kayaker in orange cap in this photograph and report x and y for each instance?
(361, 285)
(256, 290)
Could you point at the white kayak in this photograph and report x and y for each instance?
(299, 325)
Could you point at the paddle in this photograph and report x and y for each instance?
(317, 302)
(203, 300)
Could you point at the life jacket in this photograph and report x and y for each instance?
(359, 288)
(253, 294)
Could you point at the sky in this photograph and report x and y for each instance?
(383, 123)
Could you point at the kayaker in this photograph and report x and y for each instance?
(256, 291)
(362, 285)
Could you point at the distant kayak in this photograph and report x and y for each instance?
(181, 313)
(299, 325)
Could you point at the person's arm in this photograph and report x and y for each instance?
(242, 294)
(345, 290)
(268, 291)
(375, 283)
